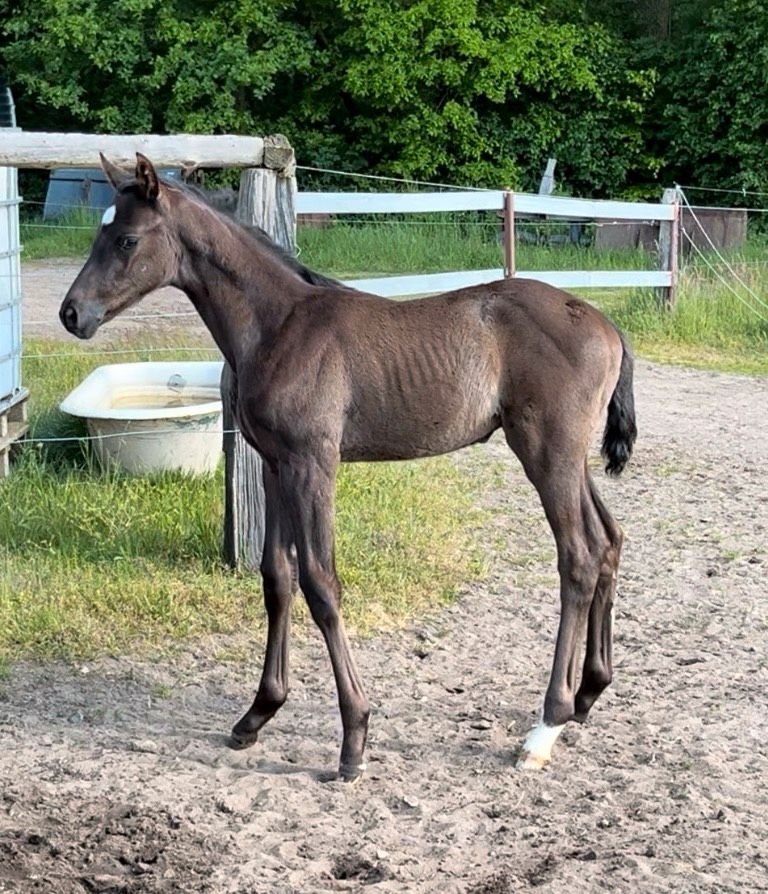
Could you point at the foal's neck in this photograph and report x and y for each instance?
(242, 290)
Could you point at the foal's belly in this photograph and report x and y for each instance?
(425, 387)
(388, 450)
(409, 430)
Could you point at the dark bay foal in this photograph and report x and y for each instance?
(326, 375)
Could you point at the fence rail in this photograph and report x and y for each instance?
(509, 206)
(489, 200)
(30, 149)
(429, 283)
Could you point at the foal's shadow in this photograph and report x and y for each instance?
(264, 766)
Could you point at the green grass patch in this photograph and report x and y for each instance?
(444, 243)
(69, 236)
(94, 562)
(377, 246)
(709, 327)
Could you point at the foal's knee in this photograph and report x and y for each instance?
(322, 592)
(278, 579)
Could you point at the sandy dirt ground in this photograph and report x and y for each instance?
(114, 775)
(44, 285)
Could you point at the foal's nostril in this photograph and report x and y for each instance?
(69, 318)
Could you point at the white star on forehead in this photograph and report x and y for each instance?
(109, 216)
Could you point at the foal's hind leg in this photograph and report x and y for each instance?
(598, 663)
(581, 543)
(279, 580)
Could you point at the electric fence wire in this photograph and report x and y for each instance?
(160, 315)
(717, 251)
(122, 434)
(404, 180)
(109, 353)
(719, 276)
(731, 191)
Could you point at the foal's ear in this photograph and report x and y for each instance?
(146, 177)
(115, 175)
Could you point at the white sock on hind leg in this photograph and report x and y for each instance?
(537, 748)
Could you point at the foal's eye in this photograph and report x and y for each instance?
(126, 243)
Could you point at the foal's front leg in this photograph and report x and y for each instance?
(279, 579)
(307, 487)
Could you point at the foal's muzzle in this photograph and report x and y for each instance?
(80, 321)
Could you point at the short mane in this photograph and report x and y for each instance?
(283, 254)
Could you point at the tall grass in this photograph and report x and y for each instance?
(98, 562)
(709, 326)
(445, 243)
(376, 246)
(65, 237)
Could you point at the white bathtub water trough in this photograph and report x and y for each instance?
(149, 417)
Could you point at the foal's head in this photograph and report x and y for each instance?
(136, 250)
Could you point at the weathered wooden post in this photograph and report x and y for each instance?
(509, 234)
(669, 242)
(267, 200)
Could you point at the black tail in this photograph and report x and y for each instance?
(620, 428)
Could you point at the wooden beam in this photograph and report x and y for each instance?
(243, 487)
(509, 234)
(268, 201)
(29, 149)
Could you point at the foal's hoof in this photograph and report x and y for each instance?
(530, 761)
(239, 741)
(351, 774)
(537, 748)
(244, 733)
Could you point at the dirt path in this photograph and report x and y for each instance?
(44, 285)
(115, 777)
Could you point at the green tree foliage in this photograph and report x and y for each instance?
(148, 65)
(466, 91)
(475, 91)
(712, 101)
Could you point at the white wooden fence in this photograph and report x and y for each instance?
(509, 205)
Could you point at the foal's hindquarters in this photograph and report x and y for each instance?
(549, 423)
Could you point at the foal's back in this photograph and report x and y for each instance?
(397, 380)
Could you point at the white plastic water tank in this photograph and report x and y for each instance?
(10, 291)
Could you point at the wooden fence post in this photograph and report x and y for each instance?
(509, 234)
(267, 199)
(669, 249)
